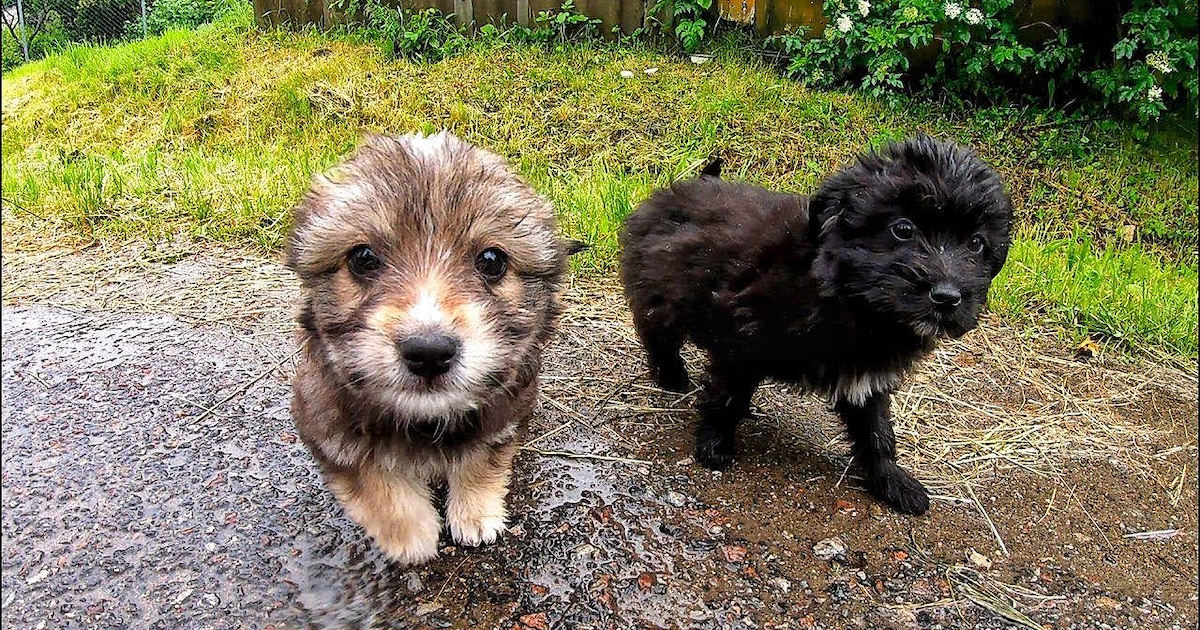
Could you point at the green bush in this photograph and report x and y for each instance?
(104, 20)
(689, 18)
(50, 37)
(979, 53)
(1153, 66)
(172, 14)
(10, 52)
(429, 35)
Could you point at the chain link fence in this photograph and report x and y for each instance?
(34, 28)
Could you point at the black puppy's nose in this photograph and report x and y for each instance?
(945, 295)
(429, 355)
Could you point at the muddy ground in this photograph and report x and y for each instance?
(152, 478)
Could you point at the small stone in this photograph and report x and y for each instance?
(210, 547)
(979, 559)
(534, 621)
(687, 461)
(584, 551)
(734, 553)
(183, 596)
(781, 584)
(41, 575)
(651, 70)
(628, 74)
(830, 548)
(676, 499)
(412, 581)
(425, 608)
(646, 580)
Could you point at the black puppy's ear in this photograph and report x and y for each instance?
(574, 247)
(824, 204)
(713, 168)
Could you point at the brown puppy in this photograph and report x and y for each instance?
(431, 275)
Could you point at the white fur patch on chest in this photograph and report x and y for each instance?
(856, 389)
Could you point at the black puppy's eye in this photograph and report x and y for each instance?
(362, 261)
(491, 263)
(976, 244)
(903, 230)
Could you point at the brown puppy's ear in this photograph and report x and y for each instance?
(574, 247)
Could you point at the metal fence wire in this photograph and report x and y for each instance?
(40, 26)
(34, 28)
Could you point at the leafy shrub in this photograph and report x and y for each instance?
(429, 35)
(564, 25)
(1153, 65)
(104, 20)
(45, 22)
(11, 55)
(978, 52)
(689, 17)
(172, 14)
(422, 35)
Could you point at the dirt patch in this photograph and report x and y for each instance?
(152, 477)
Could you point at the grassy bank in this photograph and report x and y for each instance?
(213, 135)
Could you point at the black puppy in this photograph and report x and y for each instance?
(841, 293)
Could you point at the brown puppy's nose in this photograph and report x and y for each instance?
(945, 295)
(429, 355)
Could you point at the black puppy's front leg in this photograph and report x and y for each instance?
(870, 427)
(724, 401)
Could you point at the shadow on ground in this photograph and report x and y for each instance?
(152, 478)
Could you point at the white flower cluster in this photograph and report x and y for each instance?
(844, 23)
(953, 10)
(864, 7)
(1160, 61)
(1154, 93)
(973, 16)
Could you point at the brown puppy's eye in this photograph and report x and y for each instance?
(903, 230)
(362, 261)
(976, 244)
(491, 263)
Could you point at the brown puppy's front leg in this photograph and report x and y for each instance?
(870, 427)
(394, 507)
(478, 485)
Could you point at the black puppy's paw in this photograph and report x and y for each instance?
(899, 489)
(714, 451)
(671, 379)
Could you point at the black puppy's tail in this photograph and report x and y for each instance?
(713, 168)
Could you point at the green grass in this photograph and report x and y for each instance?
(214, 134)
(1127, 296)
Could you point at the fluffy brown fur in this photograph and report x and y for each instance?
(431, 274)
(842, 293)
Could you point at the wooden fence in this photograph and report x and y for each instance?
(1088, 18)
(628, 15)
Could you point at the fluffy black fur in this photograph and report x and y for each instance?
(841, 293)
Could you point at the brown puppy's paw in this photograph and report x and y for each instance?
(473, 529)
(413, 543)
